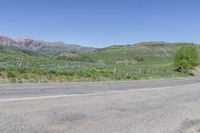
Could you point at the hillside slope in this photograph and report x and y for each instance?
(66, 56)
(148, 51)
(6, 41)
(130, 62)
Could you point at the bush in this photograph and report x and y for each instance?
(86, 58)
(186, 58)
(139, 59)
(10, 74)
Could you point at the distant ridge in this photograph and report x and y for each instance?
(8, 41)
(44, 47)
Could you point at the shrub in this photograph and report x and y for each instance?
(139, 59)
(10, 74)
(96, 70)
(186, 58)
(86, 58)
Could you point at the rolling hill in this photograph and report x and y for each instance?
(67, 56)
(44, 62)
(160, 52)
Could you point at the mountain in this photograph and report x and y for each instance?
(30, 43)
(111, 54)
(43, 47)
(6, 41)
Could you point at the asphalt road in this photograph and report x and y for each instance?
(158, 106)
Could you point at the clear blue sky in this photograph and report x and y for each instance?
(100, 23)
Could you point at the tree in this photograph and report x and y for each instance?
(186, 58)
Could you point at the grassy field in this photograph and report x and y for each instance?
(130, 62)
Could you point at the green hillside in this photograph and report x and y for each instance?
(67, 56)
(10, 56)
(150, 60)
(150, 52)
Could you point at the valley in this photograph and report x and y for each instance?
(25, 60)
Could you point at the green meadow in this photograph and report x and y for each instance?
(152, 60)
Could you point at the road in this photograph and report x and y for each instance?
(157, 106)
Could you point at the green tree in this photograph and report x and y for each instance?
(186, 58)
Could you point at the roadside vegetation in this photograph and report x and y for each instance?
(198, 131)
(130, 62)
(186, 58)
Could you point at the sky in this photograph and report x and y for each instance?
(100, 23)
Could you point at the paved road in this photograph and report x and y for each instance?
(159, 106)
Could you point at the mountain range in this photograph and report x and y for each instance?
(43, 47)
(53, 48)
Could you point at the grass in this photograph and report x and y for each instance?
(198, 131)
(79, 71)
(113, 63)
